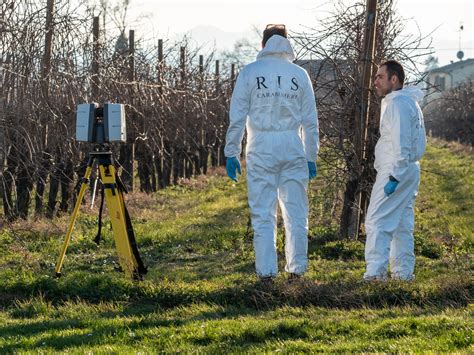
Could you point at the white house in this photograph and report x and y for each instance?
(448, 77)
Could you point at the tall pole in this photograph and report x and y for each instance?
(160, 65)
(48, 50)
(131, 53)
(201, 64)
(217, 73)
(232, 76)
(367, 73)
(362, 115)
(48, 47)
(95, 59)
(129, 148)
(182, 64)
(160, 162)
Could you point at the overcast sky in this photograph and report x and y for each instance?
(167, 18)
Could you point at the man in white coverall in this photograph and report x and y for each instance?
(390, 217)
(274, 99)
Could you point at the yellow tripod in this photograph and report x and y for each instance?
(129, 257)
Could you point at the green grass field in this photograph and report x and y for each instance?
(201, 294)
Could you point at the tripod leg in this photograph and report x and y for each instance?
(94, 191)
(115, 205)
(85, 182)
(124, 235)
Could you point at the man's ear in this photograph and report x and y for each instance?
(394, 80)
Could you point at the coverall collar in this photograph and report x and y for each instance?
(411, 91)
(277, 47)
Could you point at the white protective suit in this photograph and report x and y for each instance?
(390, 220)
(274, 99)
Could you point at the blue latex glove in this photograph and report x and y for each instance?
(231, 165)
(313, 170)
(390, 187)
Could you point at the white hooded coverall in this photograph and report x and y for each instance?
(274, 99)
(390, 220)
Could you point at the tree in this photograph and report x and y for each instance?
(243, 52)
(431, 63)
(336, 48)
(452, 115)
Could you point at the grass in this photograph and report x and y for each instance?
(446, 201)
(201, 293)
(83, 327)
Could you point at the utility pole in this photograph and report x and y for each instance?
(355, 199)
(363, 114)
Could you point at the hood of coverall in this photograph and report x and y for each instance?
(411, 91)
(277, 46)
(385, 157)
(408, 91)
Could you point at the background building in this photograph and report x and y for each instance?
(448, 77)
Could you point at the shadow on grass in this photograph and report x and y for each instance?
(48, 332)
(58, 341)
(240, 300)
(249, 337)
(442, 292)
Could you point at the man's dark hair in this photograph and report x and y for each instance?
(271, 30)
(395, 68)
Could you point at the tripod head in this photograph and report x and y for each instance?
(100, 125)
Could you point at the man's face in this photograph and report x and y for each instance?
(383, 84)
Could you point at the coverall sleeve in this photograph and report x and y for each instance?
(239, 109)
(400, 128)
(310, 122)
